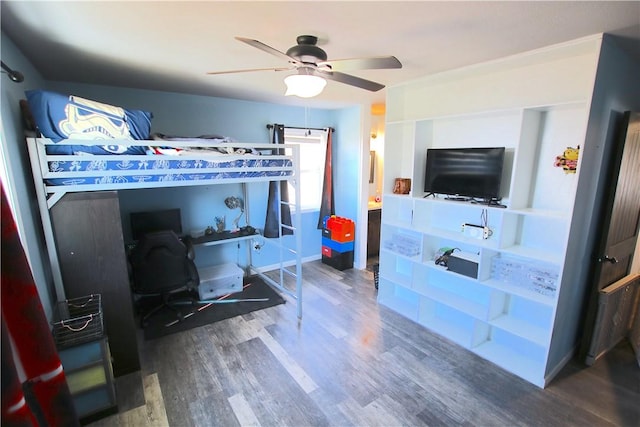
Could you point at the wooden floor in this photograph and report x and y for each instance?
(351, 362)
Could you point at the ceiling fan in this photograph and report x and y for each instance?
(310, 60)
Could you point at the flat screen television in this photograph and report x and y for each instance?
(473, 173)
(148, 222)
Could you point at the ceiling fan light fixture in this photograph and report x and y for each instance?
(304, 85)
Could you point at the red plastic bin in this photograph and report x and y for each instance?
(342, 229)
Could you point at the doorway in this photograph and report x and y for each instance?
(613, 301)
(376, 172)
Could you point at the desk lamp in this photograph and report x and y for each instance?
(233, 202)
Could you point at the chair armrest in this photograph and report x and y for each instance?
(191, 253)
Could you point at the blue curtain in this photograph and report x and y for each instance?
(273, 207)
(327, 207)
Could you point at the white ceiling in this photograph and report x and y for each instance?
(170, 45)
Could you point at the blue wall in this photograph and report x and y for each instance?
(190, 115)
(347, 162)
(20, 184)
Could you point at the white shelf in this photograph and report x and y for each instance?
(460, 237)
(522, 329)
(528, 368)
(398, 299)
(453, 324)
(458, 334)
(520, 292)
(415, 258)
(399, 279)
(507, 324)
(399, 224)
(475, 309)
(540, 213)
(533, 253)
(442, 200)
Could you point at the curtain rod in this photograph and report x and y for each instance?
(270, 126)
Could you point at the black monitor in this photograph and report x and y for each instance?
(467, 172)
(148, 222)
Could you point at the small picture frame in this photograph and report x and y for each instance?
(402, 186)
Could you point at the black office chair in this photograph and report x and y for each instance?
(162, 265)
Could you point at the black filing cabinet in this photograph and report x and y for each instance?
(91, 254)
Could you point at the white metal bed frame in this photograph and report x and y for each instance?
(48, 195)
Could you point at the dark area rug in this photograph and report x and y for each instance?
(254, 287)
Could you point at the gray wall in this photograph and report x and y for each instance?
(20, 184)
(616, 90)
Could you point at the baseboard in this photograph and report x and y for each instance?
(556, 370)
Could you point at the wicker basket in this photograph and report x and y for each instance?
(77, 321)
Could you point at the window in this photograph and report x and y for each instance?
(313, 148)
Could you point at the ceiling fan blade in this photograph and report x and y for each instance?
(370, 63)
(350, 80)
(268, 49)
(251, 70)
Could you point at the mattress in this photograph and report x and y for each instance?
(140, 169)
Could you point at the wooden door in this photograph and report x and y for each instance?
(634, 335)
(615, 253)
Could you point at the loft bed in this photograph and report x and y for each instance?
(158, 163)
(186, 162)
(89, 146)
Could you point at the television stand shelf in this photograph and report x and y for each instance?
(513, 312)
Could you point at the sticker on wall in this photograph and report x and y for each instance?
(568, 160)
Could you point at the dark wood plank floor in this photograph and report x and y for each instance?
(351, 362)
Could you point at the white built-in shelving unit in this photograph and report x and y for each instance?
(535, 105)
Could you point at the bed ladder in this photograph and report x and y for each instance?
(296, 228)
